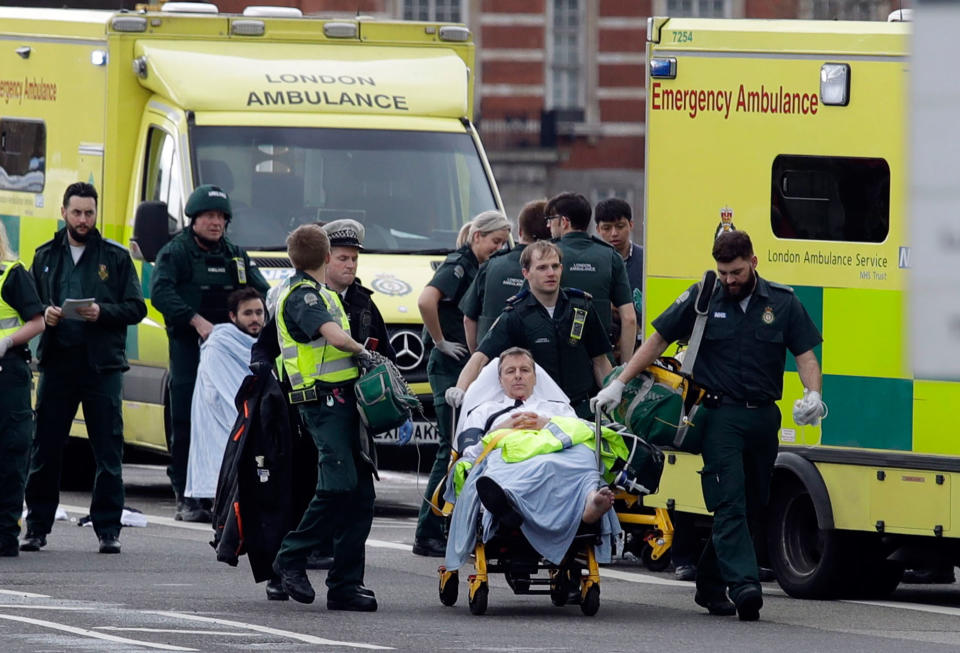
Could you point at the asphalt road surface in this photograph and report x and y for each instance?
(167, 592)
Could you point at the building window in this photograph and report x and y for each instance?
(441, 11)
(23, 147)
(844, 9)
(566, 55)
(698, 8)
(830, 198)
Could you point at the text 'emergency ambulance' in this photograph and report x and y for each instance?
(745, 100)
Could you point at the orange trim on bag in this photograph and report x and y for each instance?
(239, 432)
(236, 511)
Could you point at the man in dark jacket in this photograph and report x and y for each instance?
(195, 273)
(82, 360)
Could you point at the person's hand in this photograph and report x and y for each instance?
(51, 316)
(809, 409)
(526, 420)
(608, 398)
(260, 368)
(5, 344)
(453, 396)
(405, 432)
(202, 325)
(89, 313)
(454, 350)
(365, 356)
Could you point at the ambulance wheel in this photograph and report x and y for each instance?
(449, 591)
(661, 563)
(810, 563)
(591, 602)
(478, 602)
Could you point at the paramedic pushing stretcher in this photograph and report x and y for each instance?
(750, 325)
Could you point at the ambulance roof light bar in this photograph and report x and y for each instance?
(835, 84)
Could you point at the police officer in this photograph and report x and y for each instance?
(559, 326)
(443, 326)
(21, 318)
(318, 361)
(500, 278)
(194, 274)
(82, 360)
(750, 325)
(592, 265)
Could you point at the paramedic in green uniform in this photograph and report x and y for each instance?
(21, 318)
(500, 278)
(443, 326)
(559, 326)
(319, 359)
(82, 358)
(593, 266)
(194, 274)
(751, 324)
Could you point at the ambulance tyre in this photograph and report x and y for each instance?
(810, 563)
(591, 602)
(478, 602)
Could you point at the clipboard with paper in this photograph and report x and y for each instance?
(71, 306)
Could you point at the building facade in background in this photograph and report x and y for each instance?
(560, 88)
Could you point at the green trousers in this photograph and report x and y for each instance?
(342, 507)
(66, 382)
(16, 432)
(184, 360)
(442, 372)
(739, 450)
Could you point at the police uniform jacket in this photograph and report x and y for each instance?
(742, 355)
(592, 265)
(366, 320)
(106, 274)
(555, 344)
(188, 280)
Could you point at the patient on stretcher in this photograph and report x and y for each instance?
(528, 460)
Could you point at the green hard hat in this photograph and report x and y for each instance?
(208, 198)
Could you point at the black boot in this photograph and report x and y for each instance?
(496, 501)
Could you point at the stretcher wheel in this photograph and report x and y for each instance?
(661, 563)
(449, 588)
(478, 602)
(591, 602)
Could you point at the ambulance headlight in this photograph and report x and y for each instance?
(835, 84)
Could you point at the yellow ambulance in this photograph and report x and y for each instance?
(794, 131)
(298, 119)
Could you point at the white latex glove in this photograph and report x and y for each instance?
(608, 398)
(5, 344)
(454, 350)
(809, 409)
(453, 396)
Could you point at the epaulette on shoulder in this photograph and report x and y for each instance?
(500, 252)
(577, 293)
(116, 244)
(516, 299)
(452, 257)
(780, 286)
(601, 241)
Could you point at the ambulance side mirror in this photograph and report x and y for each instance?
(151, 230)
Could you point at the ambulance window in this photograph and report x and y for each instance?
(162, 179)
(23, 148)
(830, 198)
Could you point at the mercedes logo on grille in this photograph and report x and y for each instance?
(409, 349)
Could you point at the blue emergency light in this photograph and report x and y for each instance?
(663, 68)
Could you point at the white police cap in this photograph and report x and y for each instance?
(345, 233)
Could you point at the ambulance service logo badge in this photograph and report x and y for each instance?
(768, 317)
(726, 222)
(103, 272)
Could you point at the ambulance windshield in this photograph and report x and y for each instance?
(412, 190)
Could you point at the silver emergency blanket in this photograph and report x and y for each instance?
(549, 490)
(224, 360)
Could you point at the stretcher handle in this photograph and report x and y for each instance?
(599, 437)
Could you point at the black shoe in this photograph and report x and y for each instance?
(498, 503)
(33, 542)
(317, 560)
(275, 590)
(109, 544)
(10, 549)
(353, 599)
(685, 572)
(429, 547)
(366, 590)
(766, 575)
(718, 606)
(940, 574)
(749, 603)
(190, 510)
(295, 583)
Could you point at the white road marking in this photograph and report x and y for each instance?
(65, 608)
(384, 544)
(26, 595)
(95, 635)
(631, 577)
(309, 639)
(935, 609)
(177, 630)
